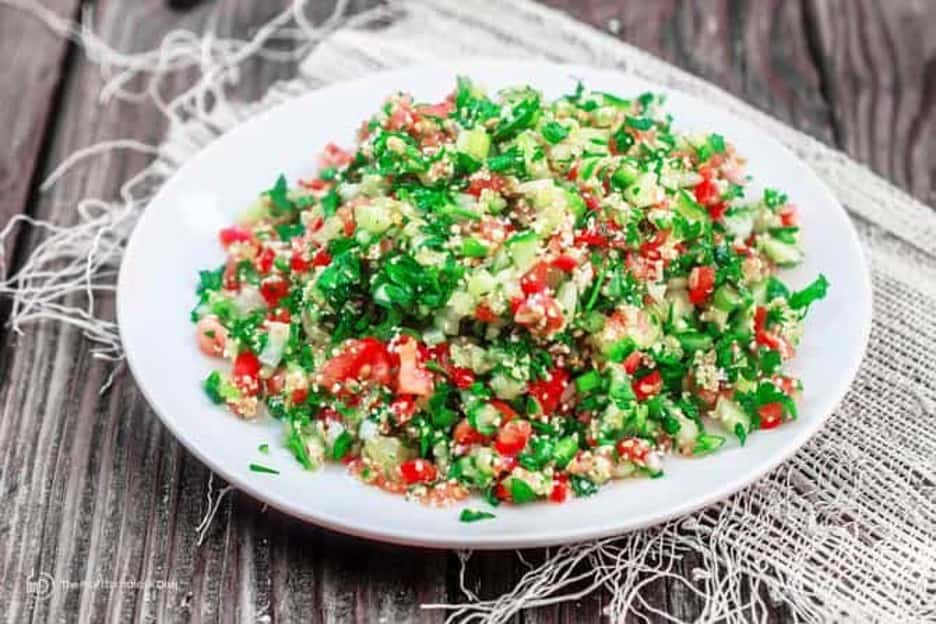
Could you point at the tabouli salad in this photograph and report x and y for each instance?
(512, 296)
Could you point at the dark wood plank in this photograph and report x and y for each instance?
(878, 62)
(34, 59)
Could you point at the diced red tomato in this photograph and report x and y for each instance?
(501, 491)
(651, 249)
(513, 436)
(548, 392)
(234, 234)
(464, 433)
(265, 260)
(506, 411)
(786, 384)
(299, 395)
(329, 414)
(315, 184)
(403, 408)
(351, 363)
(536, 279)
(334, 156)
(298, 263)
(442, 109)
(400, 119)
(591, 202)
(632, 362)
(788, 215)
(560, 489)
(418, 471)
(717, 210)
(515, 304)
(775, 343)
(484, 313)
(246, 373)
(540, 313)
(771, 415)
(321, 258)
(273, 289)
(462, 377)
(572, 173)
(565, 263)
(282, 315)
(486, 181)
(701, 283)
(706, 192)
(634, 450)
(648, 386)
(413, 376)
(591, 238)
(760, 319)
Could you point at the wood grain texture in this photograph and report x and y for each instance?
(34, 60)
(94, 488)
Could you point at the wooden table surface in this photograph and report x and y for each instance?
(94, 487)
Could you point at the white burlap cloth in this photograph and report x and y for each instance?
(845, 531)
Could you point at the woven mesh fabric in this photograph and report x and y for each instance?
(845, 531)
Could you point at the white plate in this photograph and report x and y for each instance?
(177, 236)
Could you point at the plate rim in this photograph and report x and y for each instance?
(798, 438)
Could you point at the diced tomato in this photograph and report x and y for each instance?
(504, 464)
(540, 313)
(648, 386)
(334, 156)
(413, 376)
(513, 437)
(298, 263)
(315, 184)
(486, 181)
(506, 411)
(760, 319)
(464, 433)
(317, 224)
(565, 263)
(299, 395)
(560, 489)
(442, 109)
(632, 362)
(462, 377)
(246, 373)
(484, 313)
(717, 210)
(786, 384)
(400, 119)
(321, 258)
(501, 491)
(418, 471)
(706, 192)
(591, 238)
(234, 234)
(651, 249)
(282, 315)
(771, 415)
(535, 280)
(701, 283)
(273, 289)
(591, 202)
(634, 450)
(548, 392)
(349, 227)
(351, 363)
(329, 414)
(265, 260)
(775, 343)
(573, 172)
(403, 408)
(515, 304)
(788, 215)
